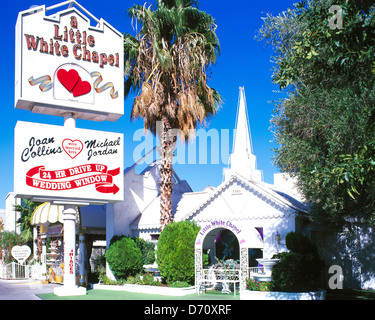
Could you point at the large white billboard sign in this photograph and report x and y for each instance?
(65, 64)
(53, 162)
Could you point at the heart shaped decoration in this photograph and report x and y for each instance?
(21, 253)
(72, 147)
(81, 88)
(68, 79)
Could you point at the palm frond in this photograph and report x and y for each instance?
(168, 61)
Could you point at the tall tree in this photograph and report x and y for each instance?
(26, 209)
(166, 65)
(324, 59)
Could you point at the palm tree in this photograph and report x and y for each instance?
(166, 65)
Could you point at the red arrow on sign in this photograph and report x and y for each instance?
(108, 189)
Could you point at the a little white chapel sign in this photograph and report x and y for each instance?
(65, 63)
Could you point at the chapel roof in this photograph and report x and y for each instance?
(193, 202)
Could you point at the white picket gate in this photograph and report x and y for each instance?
(15, 271)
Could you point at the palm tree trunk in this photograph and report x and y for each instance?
(167, 144)
(39, 244)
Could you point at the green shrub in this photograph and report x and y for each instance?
(266, 286)
(105, 280)
(299, 243)
(205, 260)
(143, 279)
(134, 279)
(9, 239)
(178, 284)
(124, 258)
(98, 263)
(287, 273)
(175, 252)
(116, 238)
(148, 279)
(252, 285)
(300, 270)
(147, 248)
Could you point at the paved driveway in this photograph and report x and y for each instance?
(23, 289)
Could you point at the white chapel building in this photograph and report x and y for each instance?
(243, 218)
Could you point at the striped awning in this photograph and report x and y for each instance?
(46, 214)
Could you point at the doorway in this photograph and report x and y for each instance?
(220, 244)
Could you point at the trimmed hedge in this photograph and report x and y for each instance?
(124, 258)
(147, 248)
(175, 252)
(299, 243)
(298, 270)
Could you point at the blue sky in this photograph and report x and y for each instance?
(244, 61)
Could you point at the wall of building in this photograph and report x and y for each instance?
(11, 216)
(139, 191)
(353, 251)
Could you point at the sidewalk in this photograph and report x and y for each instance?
(23, 289)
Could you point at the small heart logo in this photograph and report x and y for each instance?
(72, 147)
(68, 79)
(81, 88)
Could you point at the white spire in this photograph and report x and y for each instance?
(242, 159)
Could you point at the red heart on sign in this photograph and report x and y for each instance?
(72, 147)
(81, 88)
(68, 79)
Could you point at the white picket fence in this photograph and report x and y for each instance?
(17, 271)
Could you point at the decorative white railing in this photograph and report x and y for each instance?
(212, 277)
(256, 270)
(223, 274)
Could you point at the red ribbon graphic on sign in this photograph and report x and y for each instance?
(101, 177)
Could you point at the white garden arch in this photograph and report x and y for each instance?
(247, 238)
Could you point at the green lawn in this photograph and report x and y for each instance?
(97, 294)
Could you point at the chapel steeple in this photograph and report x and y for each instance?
(242, 160)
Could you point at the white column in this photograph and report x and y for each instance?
(69, 288)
